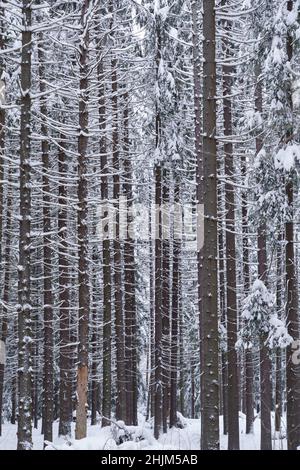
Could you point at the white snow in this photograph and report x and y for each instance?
(296, 94)
(287, 157)
(99, 438)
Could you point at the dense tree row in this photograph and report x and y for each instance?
(149, 213)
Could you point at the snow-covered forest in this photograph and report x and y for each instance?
(149, 224)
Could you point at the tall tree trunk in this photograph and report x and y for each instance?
(248, 365)
(3, 333)
(278, 352)
(175, 306)
(151, 317)
(83, 266)
(233, 383)
(158, 301)
(5, 299)
(2, 124)
(181, 357)
(265, 363)
(222, 301)
(65, 375)
(24, 298)
(47, 258)
(292, 314)
(165, 299)
(94, 382)
(106, 259)
(158, 171)
(129, 285)
(198, 117)
(209, 320)
(119, 314)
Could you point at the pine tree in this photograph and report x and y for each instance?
(24, 307)
(209, 320)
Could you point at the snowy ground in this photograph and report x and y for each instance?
(187, 438)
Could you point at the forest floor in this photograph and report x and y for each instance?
(99, 438)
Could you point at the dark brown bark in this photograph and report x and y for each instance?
(278, 352)
(231, 307)
(129, 286)
(65, 376)
(5, 298)
(13, 401)
(265, 392)
(249, 391)
(158, 302)
(158, 171)
(94, 382)
(181, 404)
(106, 259)
(222, 300)
(2, 127)
(165, 300)
(118, 290)
(265, 363)
(292, 314)
(151, 319)
(24, 308)
(224, 365)
(248, 356)
(36, 375)
(82, 221)
(209, 322)
(192, 391)
(174, 310)
(47, 259)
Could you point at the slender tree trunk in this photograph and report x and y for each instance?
(47, 256)
(2, 150)
(265, 362)
(192, 391)
(292, 313)
(129, 287)
(209, 321)
(24, 308)
(65, 376)
(13, 401)
(2, 136)
(106, 259)
(36, 376)
(249, 391)
(222, 300)
(94, 383)
(158, 172)
(248, 357)
(83, 266)
(158, 302)
(175, 306)
(151, 319)
(5, 299)
(278, 352)
(4, 325)
(119, 313)
(165, 299)
(278, 390)
(233, 383)
(181, 360)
